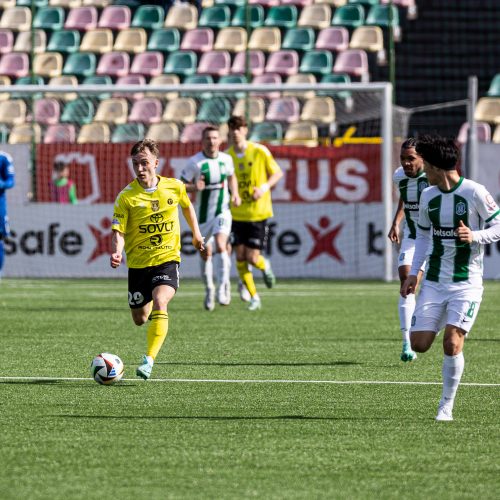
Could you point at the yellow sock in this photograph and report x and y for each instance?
(246, 276)
(157, 331)
(261, 263)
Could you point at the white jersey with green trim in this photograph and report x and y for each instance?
(214, 199)
(410, 189)
(450, 260)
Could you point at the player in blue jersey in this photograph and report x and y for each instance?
(7, 181)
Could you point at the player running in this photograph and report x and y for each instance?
(7, 181)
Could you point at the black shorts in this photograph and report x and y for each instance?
(250, 234)
(141, 282)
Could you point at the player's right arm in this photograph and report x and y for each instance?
(7, 177)
(117, 246)
(394, 231)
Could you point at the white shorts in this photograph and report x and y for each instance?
(406, 253)
(219, 224)
(437, 306)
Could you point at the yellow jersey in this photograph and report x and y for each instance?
(149, 219)
(253, 169)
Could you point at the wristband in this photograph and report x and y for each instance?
(264, 187)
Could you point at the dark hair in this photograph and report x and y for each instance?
(209, 128)
(236, 122)
(440, 152)
(59, 166)
(141, 146)
(409, 143)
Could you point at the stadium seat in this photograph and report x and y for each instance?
(99, 41)
(483, 131)
(216, 110)
(115, 17)
(317, 16)
(148, 110)
(183, 16)
(266, 39)
(60, 132)
(266, 78)
(47, 111)
(265, 3)
(128, 132)
(351, 16)
(181, 110)
(301, 78)
(149, 17)
(99, 80)
(163, 132)
(48, 64)
(198, 80)
(300, 39)
(79, 111)
(66, 4)
(165, 40)
(319, 110)
(25, 133)
(147, 64)
(232, 39)
(112, 111)
(198, 39)
(317, 62)
(496, 135)
(354, 62)
(27, 80)
(256, 62)
(6, 41)
(299, 3)
(218, 16)
(94, 133)
(234, 80)
(23, 41)
(114, 64)
(7, 4)
(487, 110)
(13, 111)
(380, 15)
(255, 106)
(4, 134)
(283, 62)
(182, 63)
(82, 19)
(257, 15)
(215, 63)
(409, 5)
(138, 80)
(284, 109)
(16, 19)
(49, 18)
(64, 41)
(69, 80)
(282, 16)
(268, 132)
(132, 40)
(164, 80)
(14, 65)
(4, 82)
(192, 132)
(302, 134)
(335, 38)
(494, 88)
(371, 39)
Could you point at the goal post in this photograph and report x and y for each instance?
(333, 207)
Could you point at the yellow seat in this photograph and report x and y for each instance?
(112, 110)
(4, 82)
(63, 80)
(24, 133)
(97, 3)
(231, 39)
(163, 132)
(6, 4)
(94, 132)
(301, 78)
(66, 4)
(256, 109)
(496, 135)
(13, 111)
(180, 110)
(319, 110)
(16, 19)
(302, 134)
(333, 3)
(132, 40)
(48, 64)
(164, 80)
(183, 16)
(488, 110)
(98, 41)
(23, 42)
(266, 39)
(370, 38)
(317, 16)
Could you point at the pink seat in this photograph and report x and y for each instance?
(283, 62)
(284, 109)
(257, 63)
(354, 62)
(299, 3)
(265, 3)
(81, 18)
(147, 64)
(15, 64)
(199, 40)
(6, 41)
(483, 131)
(334, 38)
(148, 111)
(115, 17)
(114, 64)
(193, 131)
(47, 111)
(61, 132)
(267, 78)
(138, 80)
(216, 62)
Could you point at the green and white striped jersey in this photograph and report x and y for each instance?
(410, 189)
(450, 260)
(214, 199)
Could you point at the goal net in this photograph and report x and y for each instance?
(335, 143)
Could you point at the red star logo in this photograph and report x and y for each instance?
(103, 239)
(324, 240)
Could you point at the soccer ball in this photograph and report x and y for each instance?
(106, 368)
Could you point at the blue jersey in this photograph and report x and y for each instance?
(6, 182)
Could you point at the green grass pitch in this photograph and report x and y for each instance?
(313, 427)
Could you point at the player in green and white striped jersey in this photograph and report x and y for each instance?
(410, 180)
(210, 174)
(451, 231)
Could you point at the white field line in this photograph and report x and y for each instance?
(254, 381)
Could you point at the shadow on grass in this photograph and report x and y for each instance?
(194, 363)
(62, 383)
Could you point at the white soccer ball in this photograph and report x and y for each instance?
(106, 368)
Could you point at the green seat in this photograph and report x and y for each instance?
(494, 89)
(4, 134)
(232, 3)
(216, 110)
(299, 39)
(149, 17)
(317, 62)
(133, 4)
(269, 132)
(80, 64)
(282, 16)
(368, 3)
(182, 63)
(217, 16)
(49, 18)
(65, 41)
(256, 16)
(165, 40)
(379, 15)
(28, 80)
(199, 79)
(99, 80)
(343, 95)
(79, 111)
(128, 132)
(350, 15)
(234, 79)
(29, 3)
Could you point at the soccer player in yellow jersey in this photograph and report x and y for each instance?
(257, 172)
(146, 225)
